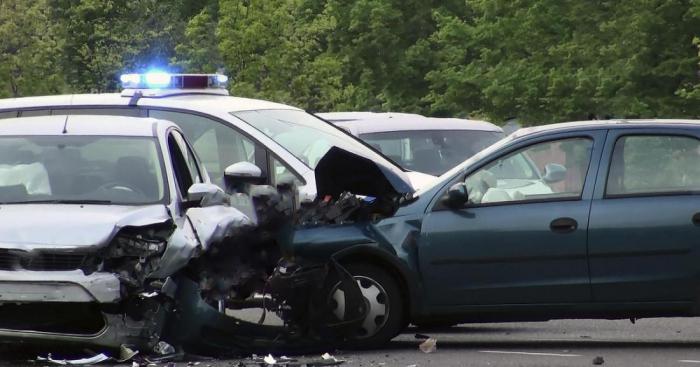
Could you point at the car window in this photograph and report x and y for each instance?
(8, 114)
(654, 164)
(30, 113)
(190, 158)
(217, 145)
(121, 170)
(184, 166)
(431, 151)
(134, 112)
(551, 170)
(304, 135)
(281, 173)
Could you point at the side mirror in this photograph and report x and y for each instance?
(554, 173)
(456, 196)
(238, 175)
(201, 194)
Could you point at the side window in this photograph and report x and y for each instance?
(280, 173)
(30, 113)
(551, 170)
(184, 164)
(8, 114)
(654, 164)
(218, 146)
(134, 112)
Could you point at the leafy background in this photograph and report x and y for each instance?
(539, 61)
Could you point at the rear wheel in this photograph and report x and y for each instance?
(382, 298)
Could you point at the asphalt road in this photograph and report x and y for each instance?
(649, 342)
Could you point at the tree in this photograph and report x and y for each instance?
(29, 49)
(104, 38)
(548, 60)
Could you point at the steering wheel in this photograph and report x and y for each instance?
(121, 186)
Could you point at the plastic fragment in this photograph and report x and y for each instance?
(270, 360)
(126, 353)
(428, 346)
(75, 362)
(598, 360)
(163, 348)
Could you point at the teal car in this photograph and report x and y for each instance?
(611, 230)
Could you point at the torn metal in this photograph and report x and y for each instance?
(116, 275)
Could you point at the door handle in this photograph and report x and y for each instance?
(565, 225)
(696, 219)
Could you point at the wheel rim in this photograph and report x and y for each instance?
(376, 303)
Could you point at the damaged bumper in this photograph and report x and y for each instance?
(58, 286)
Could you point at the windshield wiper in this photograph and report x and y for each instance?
(61, 201)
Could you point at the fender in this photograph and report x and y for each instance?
(373, 252)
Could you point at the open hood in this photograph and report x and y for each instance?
(340, 170)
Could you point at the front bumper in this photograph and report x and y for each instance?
(58, 286)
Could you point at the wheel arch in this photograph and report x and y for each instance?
(371, 254)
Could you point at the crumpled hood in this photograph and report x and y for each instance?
(340, 170)
(26, 226)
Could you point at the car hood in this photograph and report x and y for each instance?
(28, 226)
(340, 170)
(420, 180)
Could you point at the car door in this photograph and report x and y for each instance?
(644, 234)
(522, 236)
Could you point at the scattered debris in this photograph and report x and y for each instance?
(270, 360)
(75, 362)
(163, 348)
(428, 346)
(598, 360)
(126, 353)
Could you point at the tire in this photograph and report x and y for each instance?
(384, 300)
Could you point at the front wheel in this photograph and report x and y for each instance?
(382, 298)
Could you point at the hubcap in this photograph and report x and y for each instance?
(376, 303)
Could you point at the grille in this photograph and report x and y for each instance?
(13, 260)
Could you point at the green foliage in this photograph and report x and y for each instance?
(28, 50)
(539, 61)
(104, 38)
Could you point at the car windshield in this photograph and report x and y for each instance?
(431, 151)
(80, 169)
(305, 136)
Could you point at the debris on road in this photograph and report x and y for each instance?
(598, 360)
(74, 362)
(163, 348)
(428, 346)
(270, 360)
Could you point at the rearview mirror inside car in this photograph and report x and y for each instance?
(456, 196)
(554, 173)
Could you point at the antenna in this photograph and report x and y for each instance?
(65, 126)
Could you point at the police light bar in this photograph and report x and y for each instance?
(160, 80)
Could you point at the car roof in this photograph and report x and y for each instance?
(605, 124)
(195, 101)
(372, 122)
(81, 125)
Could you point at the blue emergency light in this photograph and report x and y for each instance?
(162, 80)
